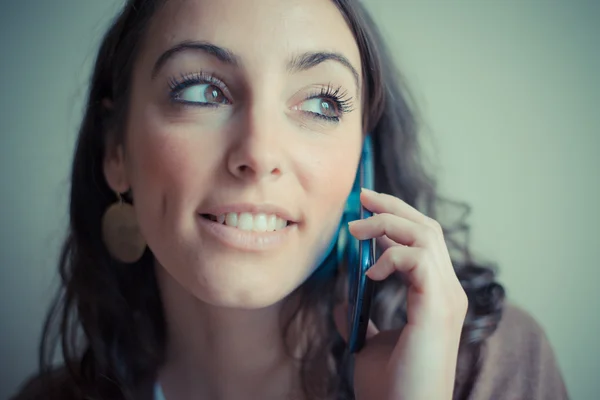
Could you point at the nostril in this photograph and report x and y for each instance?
(248, 170)
(276, 171)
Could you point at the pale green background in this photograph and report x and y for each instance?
(511, 95)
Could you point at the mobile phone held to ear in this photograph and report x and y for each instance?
(361, 255)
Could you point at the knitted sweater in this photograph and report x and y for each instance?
(516, 363)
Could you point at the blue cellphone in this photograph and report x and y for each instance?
(360, 255)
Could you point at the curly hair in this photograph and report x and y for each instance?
(109, 319)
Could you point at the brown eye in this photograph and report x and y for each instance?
(215, 95)
(328, 108)
(321, 106)
(203, 93)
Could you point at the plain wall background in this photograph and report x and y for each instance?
(511, 96)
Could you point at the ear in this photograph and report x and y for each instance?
(114, 159)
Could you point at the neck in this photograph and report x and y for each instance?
(222, 353)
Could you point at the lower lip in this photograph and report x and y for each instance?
(247, 240)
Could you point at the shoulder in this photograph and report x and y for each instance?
(58, 384)
(518, 361)
(518, 330)
(52, 385)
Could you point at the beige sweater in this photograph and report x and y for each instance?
(516, 363)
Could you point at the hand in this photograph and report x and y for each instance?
(419, 362)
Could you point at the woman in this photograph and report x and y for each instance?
(219, 145)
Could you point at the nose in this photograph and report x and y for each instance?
(255, 153)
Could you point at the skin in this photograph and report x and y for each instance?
(222, 304)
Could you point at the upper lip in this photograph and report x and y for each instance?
(252, 208)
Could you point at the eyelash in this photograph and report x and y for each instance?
(341, 100)
(177, 85)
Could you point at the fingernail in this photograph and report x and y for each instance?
(373, 274)
(367, 190)
(352, 223)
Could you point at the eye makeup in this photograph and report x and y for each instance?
(200, 89)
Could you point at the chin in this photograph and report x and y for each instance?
(245, 284)
(240, 297)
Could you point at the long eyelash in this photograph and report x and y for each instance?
(341, 99)
(184, 81)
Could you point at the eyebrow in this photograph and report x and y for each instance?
(298, 63)
(223, 55)
(308, 60)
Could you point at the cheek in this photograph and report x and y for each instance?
(167, 170)
(159, 165)
(331, 180)
(328, 182)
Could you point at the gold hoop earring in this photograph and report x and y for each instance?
(121, 233)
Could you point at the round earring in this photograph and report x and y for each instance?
(121, 233)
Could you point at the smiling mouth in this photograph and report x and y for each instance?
(250, 222)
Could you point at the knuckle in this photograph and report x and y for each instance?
(383, 221)
(393, 255)
(421, 256)
(429, 234)
(435, 225)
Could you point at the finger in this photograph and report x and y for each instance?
(385, 242)
(412, 262)
(398, 229)
(385, 203)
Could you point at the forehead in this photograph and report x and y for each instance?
(260, 32)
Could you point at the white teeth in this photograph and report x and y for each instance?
(245, 222)
(231, 219)
(260, 223)
(271, 222)
(252, 222)
(280, 223)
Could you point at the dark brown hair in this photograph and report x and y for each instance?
(108, 317)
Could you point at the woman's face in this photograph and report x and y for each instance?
(242, 142)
